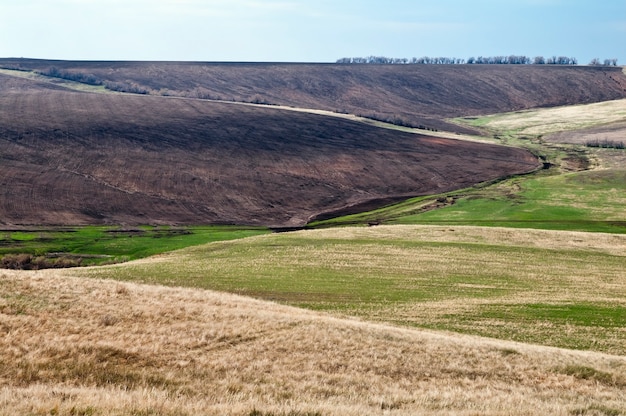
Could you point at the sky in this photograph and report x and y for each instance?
(310, 30)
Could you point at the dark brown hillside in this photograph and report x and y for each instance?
(419, 94)
(76, 158)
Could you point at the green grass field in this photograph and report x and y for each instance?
(565, 289)
(98, 245)
(581, 201)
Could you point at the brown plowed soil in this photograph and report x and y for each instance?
(75, 158)
(416, 94)
(68, 157)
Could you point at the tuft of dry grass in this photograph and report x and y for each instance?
(174, 351)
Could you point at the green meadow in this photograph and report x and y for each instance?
(94, 245)
(557, 288)
(583, 201)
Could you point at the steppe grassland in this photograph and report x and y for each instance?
(98, 347)
(564, 289)
(552, 120)
(557, 199)
(75, 346)
(584, 201)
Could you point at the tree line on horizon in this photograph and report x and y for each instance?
(488, 60)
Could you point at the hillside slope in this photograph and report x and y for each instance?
(74, 346)
(418, 94)
(81, 158)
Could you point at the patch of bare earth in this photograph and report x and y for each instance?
(613, 132)
(83, 346)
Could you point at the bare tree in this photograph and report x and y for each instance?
(491, 60)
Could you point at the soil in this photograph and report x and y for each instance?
(71, 158)
(414, 94)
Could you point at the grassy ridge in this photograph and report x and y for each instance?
(555, 288)
(544, 121)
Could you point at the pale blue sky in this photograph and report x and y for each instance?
(310, 30)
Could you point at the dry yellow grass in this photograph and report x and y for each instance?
(614, 244)
(552, 120)
(75, 346)
(556, 288)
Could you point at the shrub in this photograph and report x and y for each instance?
(129, 87)
(23, 261)
(605, 144)
(71, 76)
(17, 261)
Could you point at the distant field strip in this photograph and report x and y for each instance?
(377, 123)
(564, 289)
(551, 120)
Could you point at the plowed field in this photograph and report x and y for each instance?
(416, 94)
(81, 158)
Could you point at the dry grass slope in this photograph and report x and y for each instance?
(75, 346)
(558, 288)
(560, 119)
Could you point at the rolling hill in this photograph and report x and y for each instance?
(416, 94)
(82, 158)
(75, 344)
(71, 157)
(85, 346)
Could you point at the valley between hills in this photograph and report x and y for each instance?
(459, 245)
